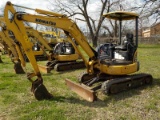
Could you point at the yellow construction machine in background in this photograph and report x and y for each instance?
(110, 73)
(52, 37)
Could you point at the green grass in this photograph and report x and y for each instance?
(18, 103)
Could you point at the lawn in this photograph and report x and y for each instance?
(18, 103)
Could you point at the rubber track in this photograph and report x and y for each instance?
(69, 66)
(130, 81)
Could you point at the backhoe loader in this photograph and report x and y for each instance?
(110, 74)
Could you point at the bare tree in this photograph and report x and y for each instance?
(152, 9)
(149, 10)
(81, 7)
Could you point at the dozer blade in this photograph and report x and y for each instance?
(40, 91)
(18, 68)
(82, 91)
(44, 69)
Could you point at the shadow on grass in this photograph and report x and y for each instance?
(108, 99)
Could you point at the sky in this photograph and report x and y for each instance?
(44, 4)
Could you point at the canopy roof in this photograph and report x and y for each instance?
(121, 15)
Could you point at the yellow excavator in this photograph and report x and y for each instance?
(111, 73)
(12, 51)
(13, 48)
(38, 44)
(52, 37)
(62, 57)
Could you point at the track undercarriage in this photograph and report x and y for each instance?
(66, 65)
(90, 84)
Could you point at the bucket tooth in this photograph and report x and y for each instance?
(82, 91)
(44, 69)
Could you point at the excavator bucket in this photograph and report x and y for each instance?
(40, 91)
(18, 68)
(1, 60)
(44, 69)
(81, 90)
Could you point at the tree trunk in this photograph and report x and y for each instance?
(94, 41)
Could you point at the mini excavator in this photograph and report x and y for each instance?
(52, 37)
(61, 58)
(110, 73)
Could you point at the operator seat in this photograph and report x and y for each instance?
(130, 46)
(124, 44)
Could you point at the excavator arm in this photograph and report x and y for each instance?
(16, 57)
(39, 90)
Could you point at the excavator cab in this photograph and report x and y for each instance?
(64, 57)
(124, 50)
(64, 48)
